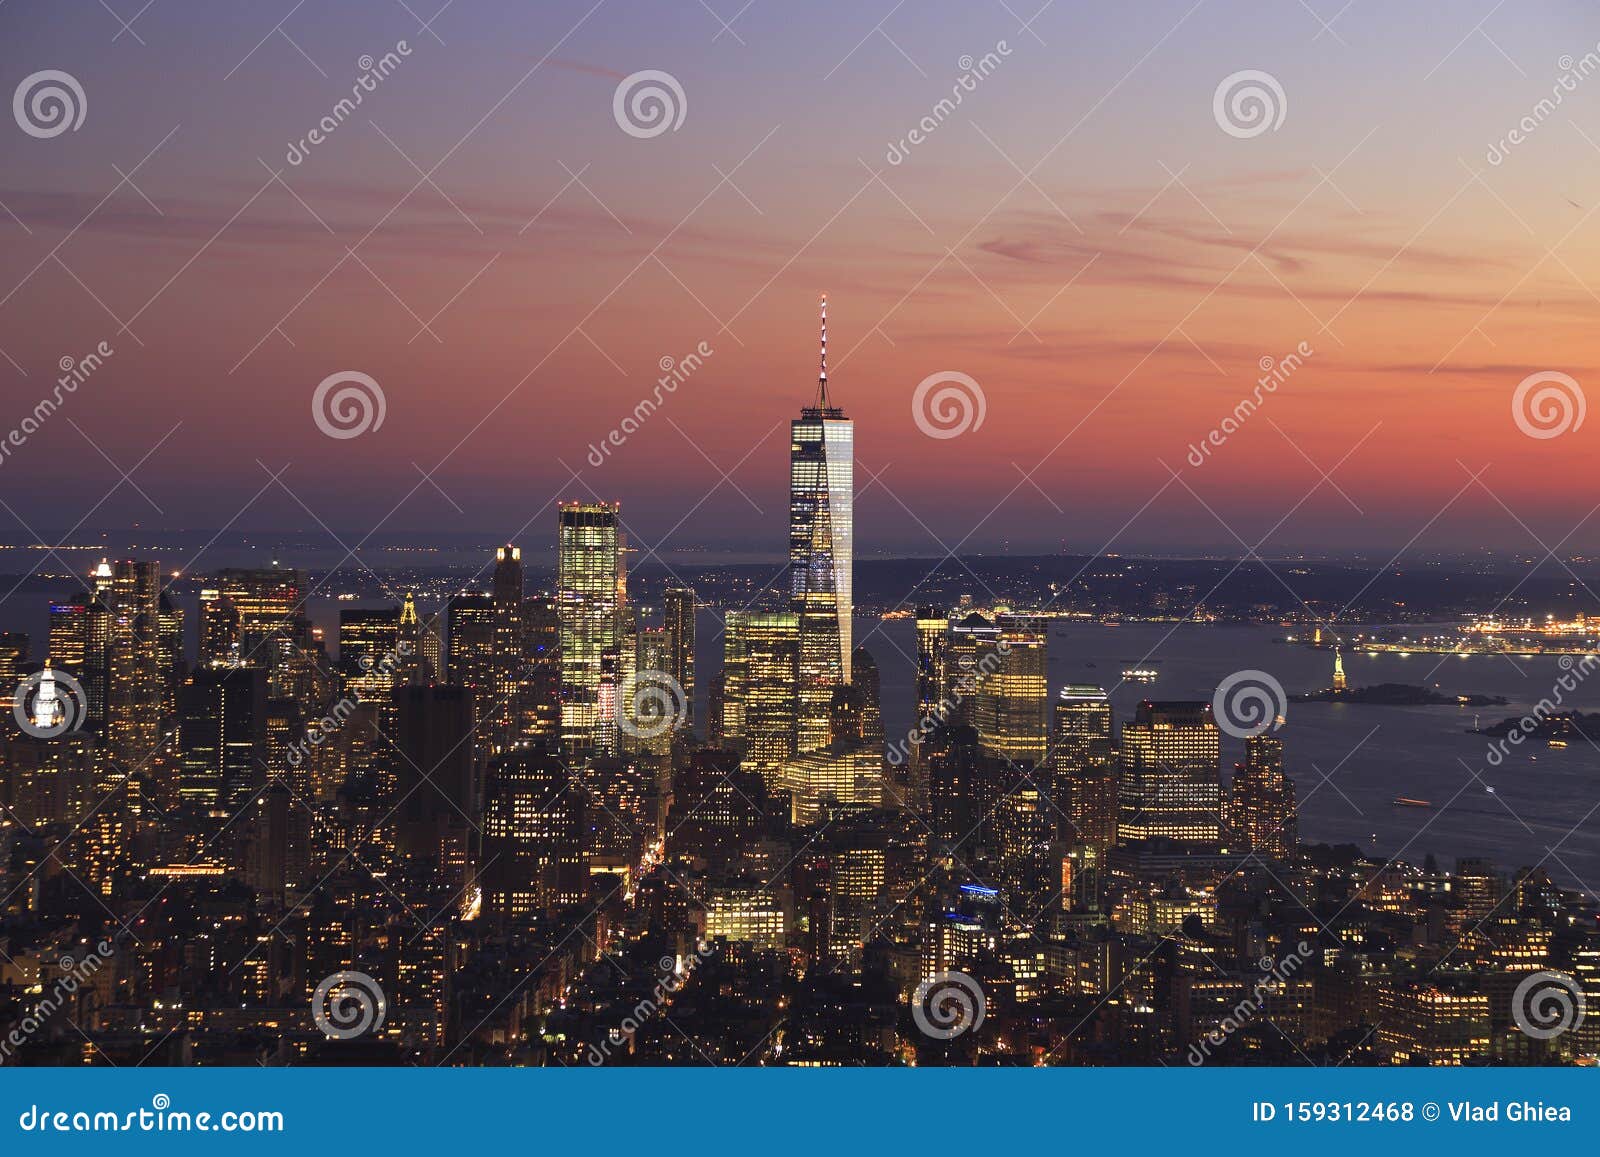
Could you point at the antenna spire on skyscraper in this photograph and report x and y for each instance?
(822, 376)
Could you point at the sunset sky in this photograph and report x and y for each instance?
(1080, 237)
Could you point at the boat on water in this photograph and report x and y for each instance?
(1140, 674)
(1407, 801)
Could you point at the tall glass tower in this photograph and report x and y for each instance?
(589, 607)
(821, 538)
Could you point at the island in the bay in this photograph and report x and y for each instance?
(1558, 725)
(1397, 695)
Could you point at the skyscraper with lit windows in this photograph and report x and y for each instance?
(1262, 801)
(821, 545)
(678, 612)
(1012, 712)
(589, 598)
(1084, 766)
(1171, 784)
(761, 658)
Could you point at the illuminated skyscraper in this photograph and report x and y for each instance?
(409, 663)
(821, 544)
(79, 631)
(1171, 782)
(1084, 780)
(539, 697)
(858, 706)
(1012, 710)
(222, 737)
(219, 629)
(970, 637)
(472, 621)
(589, 596)
(759, 701)
(933, 628)
(501, 712)
(136, 673)
(1262, 805)
(650, 719)
(367, 648)
(533, 834)
(678, 609)
(267, 602)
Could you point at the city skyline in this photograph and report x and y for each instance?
(516, 760)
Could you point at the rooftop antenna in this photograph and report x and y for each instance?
(822, 375)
